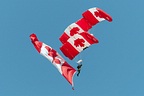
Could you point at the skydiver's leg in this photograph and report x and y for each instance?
(79, 69)
(78, 72)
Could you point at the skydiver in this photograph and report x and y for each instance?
(79, 67)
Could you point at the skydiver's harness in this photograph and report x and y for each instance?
(79, 67)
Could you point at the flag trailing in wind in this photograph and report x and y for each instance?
(48, 52)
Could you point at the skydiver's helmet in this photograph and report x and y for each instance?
(79, 62)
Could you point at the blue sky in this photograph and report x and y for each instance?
(113, 67)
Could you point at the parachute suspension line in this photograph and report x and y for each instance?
(79, 57)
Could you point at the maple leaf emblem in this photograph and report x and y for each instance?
(74, 31)
(52, 52)
(79, 42)
(57, 61)
(97, 14)
(48, 48)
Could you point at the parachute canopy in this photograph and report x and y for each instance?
(76, 37)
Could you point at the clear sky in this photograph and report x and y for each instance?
(113, 67)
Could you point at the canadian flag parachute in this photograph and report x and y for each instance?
(63, 67)
(76, 37)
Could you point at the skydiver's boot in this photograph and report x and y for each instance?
(78, 73)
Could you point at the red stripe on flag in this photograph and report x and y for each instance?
(68, 50)
(68, 72)
(89, 38)
(89, 16)
(84, 24)
(64, 37)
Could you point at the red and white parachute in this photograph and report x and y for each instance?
(63, 67)
(76, 36)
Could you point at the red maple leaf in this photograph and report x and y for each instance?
(48, 48)
(57, 61)
(97, 14)
(74, 31)
(52, 52)
(79, 42)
